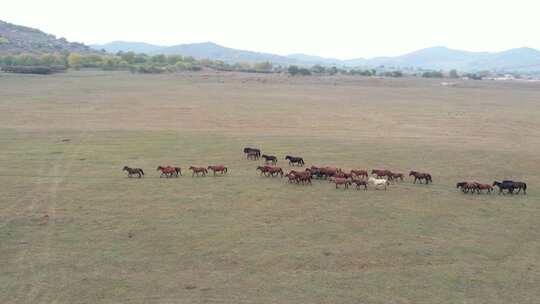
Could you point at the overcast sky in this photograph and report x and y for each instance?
(337, 28)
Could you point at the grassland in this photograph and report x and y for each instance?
(74, 229)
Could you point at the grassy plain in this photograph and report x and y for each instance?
(74, 229)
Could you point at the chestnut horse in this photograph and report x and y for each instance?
(274, 171)
(219, 169)
(382, 173)
(198, 170)
(263, 169)
(341, 181)
(300, 177)
(167, 171)
(421, 176)
(480, 187)
(133, 171)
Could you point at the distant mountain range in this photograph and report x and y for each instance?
(16, 39)
(523, 59)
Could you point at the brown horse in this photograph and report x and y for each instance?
(303, 177)
(167, 171)
(360, 173)
(219, 169)
(274, 171)
(133, 171)
(396, 176)
(467, 186)
(263, 169)
(480, 187)
(198, 170)
(421, 176)
(341, 181)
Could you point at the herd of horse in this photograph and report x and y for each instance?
(379, 178)
(508, 185)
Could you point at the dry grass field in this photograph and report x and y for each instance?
(74, 229)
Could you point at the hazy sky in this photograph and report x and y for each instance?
(337, 28)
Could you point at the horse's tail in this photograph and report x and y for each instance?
(142, 172)
(226, 169)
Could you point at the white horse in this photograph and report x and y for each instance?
(379, 182)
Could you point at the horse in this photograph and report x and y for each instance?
(360, 173)
(359, 183)
(295, 160)
(396, 176)
(421, 176)
(256, 153)
(480, 187)
(274, 171)
(270, 158)
(253, 155)
(342, 181)
(219, 168)
(327, 172)
(466, 187)
(133, 171)
(510, 186)
(263, 169)
(303, 177)
(341, 174)
(379, 182)
(198, 170)
(167, 171)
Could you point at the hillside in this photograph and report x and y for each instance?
(16, 39)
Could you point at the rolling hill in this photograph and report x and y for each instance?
(439, 57)
(16, 39)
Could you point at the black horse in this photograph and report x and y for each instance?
(133, 171)
(269, 158)
(252, 151)
(510, 186)
(294, 160)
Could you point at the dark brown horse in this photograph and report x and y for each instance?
(295, 160)
(252, 153)
(466, 187)
(269, 159)
(133, 171)
(421, 176)
(218, 169)
(396, 176)
(198, 170)
(360, 183)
